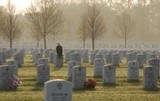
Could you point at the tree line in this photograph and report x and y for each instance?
(45, 19)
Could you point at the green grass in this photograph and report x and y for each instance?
(121, 91)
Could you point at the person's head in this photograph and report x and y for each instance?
(58, 44)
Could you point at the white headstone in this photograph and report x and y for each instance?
(154, 63)
(43, 73)
(78, 77)
(6, 74)
(14, 65)
(98, 65)
(71, 64)
(59, 61)
(150, 78)
(132, 71)
(43, 61)
(109, 74)
(58, 90)
(140, 60)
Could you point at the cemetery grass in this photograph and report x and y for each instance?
(121, 91)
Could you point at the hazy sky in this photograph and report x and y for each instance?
(20, 4)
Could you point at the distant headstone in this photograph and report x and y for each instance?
(51, 54)
(71, 64)
(150, 78)
(108, 58)
(109, 74)
(92, 58)
(85, 57)
(43, 73)
(76, 57)
(129, 57)
(37, 57)
(58, 90)
(154, 63)
(59, 61)
(1, 58)
(132, 71)
(140, 60)
(98, 65)
(43, 61)
(78, 77)
(116, 59)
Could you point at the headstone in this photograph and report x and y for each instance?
(71, 64)
(85, 57)
(92, 58)
(116, 59)
(98, 65)
(43, 61)
(78, 77)
(108, 58)
(150, 78)
(140, 60)
(132, 71)
(58, 90)
(6, 75)
(59, 61)
(76, 57)
(154, 63)
(129, 57)
(109, 74)
(14, 65)
(51, 54)
(43, 73)
(37, 57)
(1, 58)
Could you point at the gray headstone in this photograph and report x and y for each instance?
(58, 90)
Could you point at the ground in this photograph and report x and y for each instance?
(122, 91)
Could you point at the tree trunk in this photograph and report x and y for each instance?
(92, 43)
(84, 42)
(10, 44)
(125, 43)
(37, 43)
(45, 42)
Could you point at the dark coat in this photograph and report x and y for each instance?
(59, 50)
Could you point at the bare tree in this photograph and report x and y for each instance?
(11, 29)
(94, 23)
(124, 24)
(45, 16)
(82, 30)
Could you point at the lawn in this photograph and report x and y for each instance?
(122, 91)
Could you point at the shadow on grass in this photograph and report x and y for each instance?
(109, 85)
(57, 68)
(152, 91)
(82, 90)
(38, 87)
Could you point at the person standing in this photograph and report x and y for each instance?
(59, 50)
